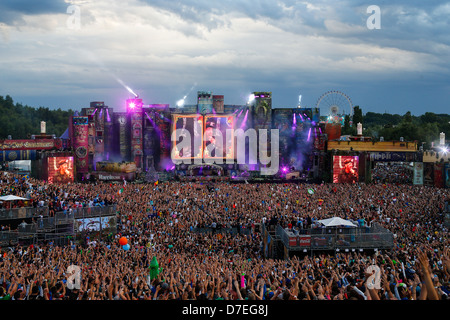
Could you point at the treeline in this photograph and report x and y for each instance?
(21, 121)
(424, 128)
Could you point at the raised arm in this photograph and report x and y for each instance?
(426, 271)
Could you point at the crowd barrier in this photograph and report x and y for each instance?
(57, 228)
(232, 231)
(22, 213)
(375, 237)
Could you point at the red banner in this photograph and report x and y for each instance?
(292, 241)
(305, 241)
(439, 175)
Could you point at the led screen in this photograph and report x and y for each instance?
(216, 127)
(188, 127)
(60, 170)
(345, 169)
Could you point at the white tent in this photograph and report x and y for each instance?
(336, 221)
(11, 198)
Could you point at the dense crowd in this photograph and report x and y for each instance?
(392, 173)
(160, 221)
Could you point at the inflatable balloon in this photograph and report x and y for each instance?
(123, 241)
(154, 268)
(126, 247)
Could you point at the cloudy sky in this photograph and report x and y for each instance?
(64, 54)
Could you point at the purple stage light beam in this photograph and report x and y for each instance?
(244, 122)
(153, 124)
(309, 134)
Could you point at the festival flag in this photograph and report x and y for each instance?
(310, 191)
(154, 268)
(120, 191)
(156, 183)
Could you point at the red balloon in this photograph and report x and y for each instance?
(123, 241)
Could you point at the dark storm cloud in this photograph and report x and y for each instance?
(12, 11)
(230, 47)
(428, 19)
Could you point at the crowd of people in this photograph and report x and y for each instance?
(160, 221)
(392, 173)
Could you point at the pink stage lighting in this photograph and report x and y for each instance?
(134, 105)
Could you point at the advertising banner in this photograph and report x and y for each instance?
(418, 173)
(87, 224)
(305, 241)
(41, 144)
(13, 155)
(439, 175)
(447, 175)
(396, 156)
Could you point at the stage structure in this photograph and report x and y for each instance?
(141, 135)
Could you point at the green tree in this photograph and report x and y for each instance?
(22, 121)
(357, 116)
(346, 129)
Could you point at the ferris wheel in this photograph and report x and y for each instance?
(335, 104)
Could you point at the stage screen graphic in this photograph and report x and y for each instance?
(60, 169)
(345, 169)
(220, 123)
(108, 224)
(88, 224)
(188, 125)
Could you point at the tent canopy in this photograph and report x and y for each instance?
(11, 198)
(336, 221)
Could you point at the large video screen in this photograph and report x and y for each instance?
(191, 125)
(60, 170)
(345, 169)
(213, 148)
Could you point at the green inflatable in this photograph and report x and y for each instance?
(154, 268)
